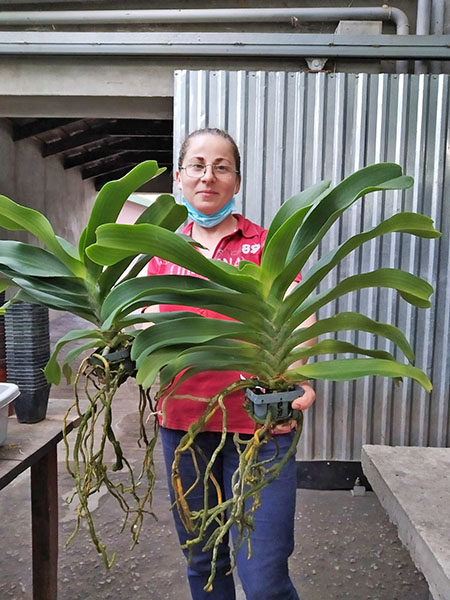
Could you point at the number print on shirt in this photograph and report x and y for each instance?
(250, 248)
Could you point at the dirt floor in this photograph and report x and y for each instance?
(345, 545)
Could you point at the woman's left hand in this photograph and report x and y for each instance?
(301, 403)
(305, 401)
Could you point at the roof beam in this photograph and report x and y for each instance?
(136, 144)
(124, 127)
(21, 132)
(108, 167)
(126, 158)
(100, 181)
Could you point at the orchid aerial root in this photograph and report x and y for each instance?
(87, 461)
(249, 479)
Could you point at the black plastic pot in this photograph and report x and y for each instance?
(2, 342)
(279, 404)
(116, 359)
(27, 352)
(31, 405)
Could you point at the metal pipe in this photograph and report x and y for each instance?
(95, 17)
(423, 24)
(423, 17)
(437, 28)
(268, 45)
(91, 17)
(437, 16)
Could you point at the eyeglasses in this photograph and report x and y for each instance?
(197, 170)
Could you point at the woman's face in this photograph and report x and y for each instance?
(208, 193)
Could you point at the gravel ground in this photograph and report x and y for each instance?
(345, 545)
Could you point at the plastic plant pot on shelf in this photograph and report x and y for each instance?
(8, 393)
(27, 352)
(31, 404)
(2, 342)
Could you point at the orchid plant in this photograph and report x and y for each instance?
(63, 277)
(264, 337)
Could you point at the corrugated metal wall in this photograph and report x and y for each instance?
(294, 129)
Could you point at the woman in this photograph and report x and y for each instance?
(209, 176)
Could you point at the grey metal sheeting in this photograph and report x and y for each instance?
(294, 129)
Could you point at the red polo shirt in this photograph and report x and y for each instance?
(188, 402)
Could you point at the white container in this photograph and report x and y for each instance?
(8, 393)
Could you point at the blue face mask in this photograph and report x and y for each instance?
(209, 220)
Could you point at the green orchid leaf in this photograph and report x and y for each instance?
(67, 372)
(190, 241)
(8, 223)
(203, 299)
(60, 293)
(82, 242)
(150, 366)
(191, 331)
(69, 289)
(411, 288)
(355, 368)
(412, 223)
(379, 177)
(110, 201)
(57, 297)
(75, 353)
(111, 275)
(26, 259)
(68, 247)
(19, 296)
(72, 288)
(190, 291)
(114, 194)
(164, 212)
(151, 317)
(297, 204)
(116, 242)
(124, 293)
(345, 321)
(284, 227)
(52, 370)
(333, 347)
(5, 283)
(213, 359)
(164, 317)
(134, 319)
(15, 217)
(247, 267)
(276, 250)
(136, 268)
(33, 294)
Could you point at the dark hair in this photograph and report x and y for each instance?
(210, 131)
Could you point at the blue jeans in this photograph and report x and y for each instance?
(265, 575)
